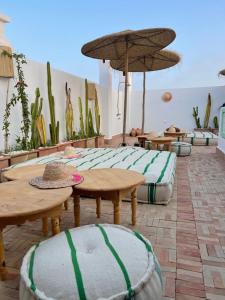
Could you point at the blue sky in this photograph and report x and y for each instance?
(56, 30)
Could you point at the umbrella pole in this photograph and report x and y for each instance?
(125, 96)
(143, 104)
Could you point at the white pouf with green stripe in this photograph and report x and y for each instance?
(181, 148)
(92, 262)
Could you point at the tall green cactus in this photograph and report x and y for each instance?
(81, 117)
(86, 109)
(70, 133)
(36, 108)
(215, 122)
(97, 114)
(53, 127)
(90, 124)
(207, 112)
(196, 117)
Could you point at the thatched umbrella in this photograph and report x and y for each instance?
(160, 60)
(222, 72)
(127, 44)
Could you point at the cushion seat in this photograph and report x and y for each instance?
(181, 148)
(92, 262)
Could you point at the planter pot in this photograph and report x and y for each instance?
(43, 151)
(80, 143)
(215, 131)
(17, 157)
(4, 161)
(99, 141)
(203, 129)
(62, 146)
(91, 142)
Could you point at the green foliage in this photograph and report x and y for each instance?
(97, 114)
(36, 108)
(19, 96)
(195, 115)
(86, 109)
(70, 133)
(215, 122)
(90, 125)
(53, 126)
(207, 112)
(82, 131)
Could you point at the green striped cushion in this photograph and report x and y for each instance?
(92, 262)
(181, 148)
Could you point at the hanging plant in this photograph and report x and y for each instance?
(19, 96)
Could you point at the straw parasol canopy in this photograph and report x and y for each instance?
(127, 44)
(160, 60)
(222, 72)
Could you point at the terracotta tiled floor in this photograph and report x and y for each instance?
(188, 234)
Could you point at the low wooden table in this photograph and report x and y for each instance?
(142, 139)
(110, 184)
(177, 135)
(162, 140)
(28, 172)
(21, 202)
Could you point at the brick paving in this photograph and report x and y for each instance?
(188, 234)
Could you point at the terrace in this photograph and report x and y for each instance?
(177, 159)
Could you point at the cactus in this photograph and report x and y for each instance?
(90, 124)
(70, 133)
(81, 117)
(53, 127)
(86, 109)
(36, 108)
(195, 115)
(215, 122)
(207, 112)
(40, 123)
(97, 114)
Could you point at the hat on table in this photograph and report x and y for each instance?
(56, 175)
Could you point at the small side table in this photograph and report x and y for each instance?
(110, 184)
(163, 140)
(21, 202)
(177, 135)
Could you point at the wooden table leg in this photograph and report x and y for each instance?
(45, 226)
(116, 204)
(66, 205)
(76, 201)
(98, 207)
(3, 270)
(169, 147)
(55, 225)
(134, 206)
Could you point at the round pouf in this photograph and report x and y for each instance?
(181, 148)
(89, 263)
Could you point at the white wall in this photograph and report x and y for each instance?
(36, 76)
(160, 115)
(221, 139)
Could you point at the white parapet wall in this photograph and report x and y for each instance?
(178, 111)
(36, 76)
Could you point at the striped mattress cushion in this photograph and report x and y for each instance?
(181, 148)
(95, 264)
(198, 138)
(157, 167)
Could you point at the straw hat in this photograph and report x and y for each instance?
(56, 175)
(70, 152)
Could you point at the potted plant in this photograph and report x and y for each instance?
(4, 161)
(206, 118)
(215, 130)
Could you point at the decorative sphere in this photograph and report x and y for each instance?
(167, 96)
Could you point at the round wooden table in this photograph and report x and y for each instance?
(142, 139)
(28, 172)
(177, 135)
(21, 202)
(162, 140)
(110, 184)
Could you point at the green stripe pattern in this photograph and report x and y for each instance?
(149, 249)
(77, 272)
(31, 269)
(119, 261)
